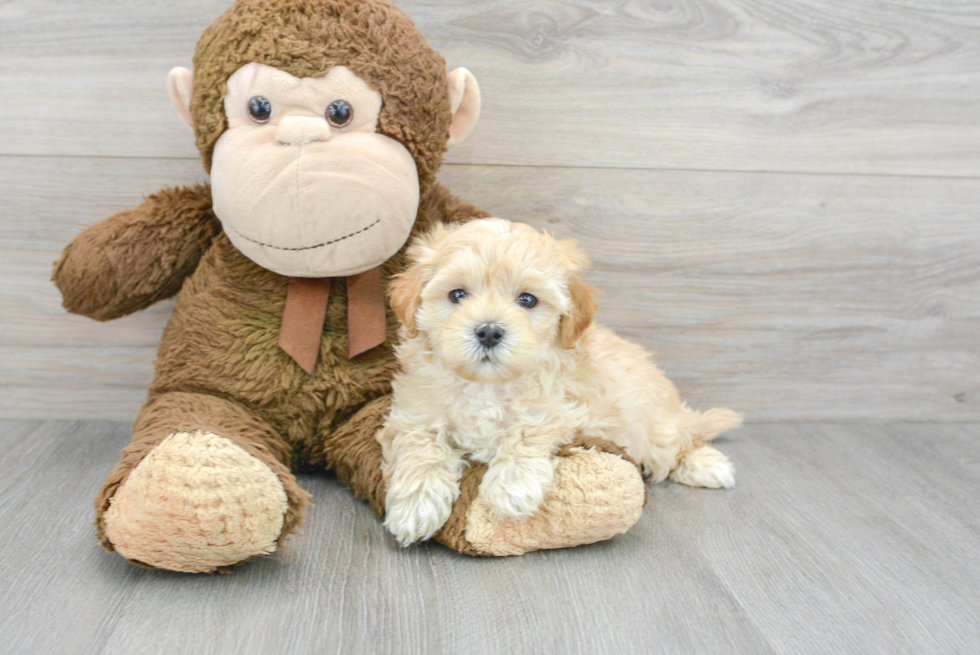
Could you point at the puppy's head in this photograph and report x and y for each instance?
(493, 298)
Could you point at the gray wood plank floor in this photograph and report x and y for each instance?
(840, 538)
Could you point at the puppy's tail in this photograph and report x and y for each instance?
(704, 427)
(703, 465)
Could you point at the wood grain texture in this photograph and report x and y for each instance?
(839, 539)
(883, 87)
(59, 593)
(787, 297)
(810, 498)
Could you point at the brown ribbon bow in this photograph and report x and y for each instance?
(306, 308)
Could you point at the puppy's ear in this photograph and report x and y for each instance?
(583, 295)
(406, 295)
(405, 290)
(579, 316)
(576, 260)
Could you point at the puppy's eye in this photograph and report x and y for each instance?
(339, 113)
(526, 300)
(260, 109)
(456, 295)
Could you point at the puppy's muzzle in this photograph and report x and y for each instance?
(489, 334)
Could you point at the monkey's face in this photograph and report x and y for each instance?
(302, 182)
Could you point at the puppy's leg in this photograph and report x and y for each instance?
(703, 465)
(422, 470)
(522, 472)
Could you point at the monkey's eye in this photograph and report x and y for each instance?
(456, 295)
(526, 300)
(339, 113)
(260, 109)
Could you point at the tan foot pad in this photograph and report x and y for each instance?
(596, 496)
(196, 503)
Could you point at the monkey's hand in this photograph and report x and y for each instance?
(139, 256)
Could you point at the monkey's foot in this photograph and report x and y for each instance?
(196, 503)
(598, 493)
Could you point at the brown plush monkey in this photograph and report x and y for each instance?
(322, 124)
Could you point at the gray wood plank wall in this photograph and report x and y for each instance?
(781, 199)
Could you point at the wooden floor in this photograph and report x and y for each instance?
(838, 539)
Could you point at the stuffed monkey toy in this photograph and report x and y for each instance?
(322, 124)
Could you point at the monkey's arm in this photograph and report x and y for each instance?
(139, 256)
(444, 206)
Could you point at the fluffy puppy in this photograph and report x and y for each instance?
(502, 364)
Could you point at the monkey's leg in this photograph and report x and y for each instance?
(352, 451)
(598, 493)
(204, 484)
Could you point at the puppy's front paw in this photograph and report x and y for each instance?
(518, 487)
(418, 514)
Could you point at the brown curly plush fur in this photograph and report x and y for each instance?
(306, 38)
(219, 366)
(139, 256)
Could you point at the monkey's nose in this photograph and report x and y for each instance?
(489, 334)
(297, 130)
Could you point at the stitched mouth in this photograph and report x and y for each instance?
(319, 245)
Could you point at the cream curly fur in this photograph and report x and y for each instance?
(553, 376)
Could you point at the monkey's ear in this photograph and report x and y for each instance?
(464, 102)
(180, 82)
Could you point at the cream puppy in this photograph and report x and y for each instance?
(501, 364)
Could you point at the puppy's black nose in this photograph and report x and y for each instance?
(489, 334)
